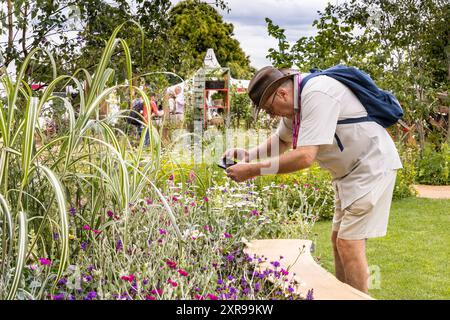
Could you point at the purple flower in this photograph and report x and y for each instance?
(246, 291)
(310, 295)
(83, 246)
(87, 278)
(119, 245)
(276, 264)
(59, 296)
(90, 268)
(290, 289)
(230, 257)
(220, 282)
(55, 236)
(91, 295)
(73, 211)
(62, 281)
(257, 286)
(230, 277)
(254, 213)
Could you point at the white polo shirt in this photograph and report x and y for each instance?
(368, 151)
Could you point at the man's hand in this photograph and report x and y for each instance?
(240, 154)
(243, 171)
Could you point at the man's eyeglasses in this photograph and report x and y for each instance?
(269, 109)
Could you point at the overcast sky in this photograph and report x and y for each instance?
(248, 18)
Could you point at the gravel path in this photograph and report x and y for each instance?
(433, 192)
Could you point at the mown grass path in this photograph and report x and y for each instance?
(414, 257)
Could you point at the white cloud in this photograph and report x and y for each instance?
(248, 18)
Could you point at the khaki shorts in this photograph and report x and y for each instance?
(368, 216)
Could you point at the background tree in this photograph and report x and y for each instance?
(402, 44)
(196, 26)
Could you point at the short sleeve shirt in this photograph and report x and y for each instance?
(357, 155)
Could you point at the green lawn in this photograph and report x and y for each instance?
(413, 258)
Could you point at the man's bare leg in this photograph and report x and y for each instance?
(338, 267)
(353, 258)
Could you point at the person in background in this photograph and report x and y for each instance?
(154, 113)
(179, 104)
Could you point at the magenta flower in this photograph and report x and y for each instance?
(149, 297)
(212, 297)
(129, 278)
(183, 272)
(149, 201)
(86, 227)
(205, 199)
(162, 231)
(157, 292)
(199, 297)
(110, 213)
(96, 231)
(171, 264)
(254, 213)
(207, 228)
(227, 235)
(284, 272)
(172, 283)
(45, 262)
(171, 177)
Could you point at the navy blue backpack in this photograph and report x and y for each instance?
(381, 106)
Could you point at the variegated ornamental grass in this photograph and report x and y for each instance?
(85, 204)
(35, 187)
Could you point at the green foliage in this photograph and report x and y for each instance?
(434, 165)
(196, 26)
(407, 175)
(240, 108)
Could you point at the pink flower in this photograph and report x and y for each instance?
(149, 297)
(172, 283)
(129, 278)
(171, 264)
(157, 291)
(227, 235)
(254, 213)
(86, 227)
(199, 297)
(149, 201)
(183, 272)
(96, 231)
(162, 231)
(205, 199)
(191, 176)
(207, 228)
(212, 297)
(45, 262)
